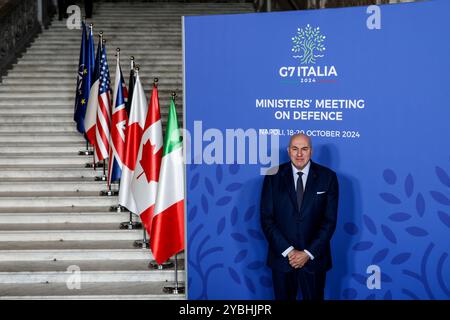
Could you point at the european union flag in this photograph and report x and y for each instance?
(81, 69)
(85, 74)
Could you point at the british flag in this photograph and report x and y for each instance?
(103, 121)
(119, 122)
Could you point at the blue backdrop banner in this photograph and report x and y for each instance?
(371, 87)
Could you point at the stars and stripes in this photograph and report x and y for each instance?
(103, 121)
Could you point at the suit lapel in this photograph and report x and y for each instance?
(289, 182)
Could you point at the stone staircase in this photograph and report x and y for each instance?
(55, 229)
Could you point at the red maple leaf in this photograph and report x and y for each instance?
(150, 162)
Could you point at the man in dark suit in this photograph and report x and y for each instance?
(298, 216)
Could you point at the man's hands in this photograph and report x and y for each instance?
(297, 259)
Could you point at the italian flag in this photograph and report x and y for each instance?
(167, 233)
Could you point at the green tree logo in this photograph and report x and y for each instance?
(308, 42)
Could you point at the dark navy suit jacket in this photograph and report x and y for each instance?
(309, 228)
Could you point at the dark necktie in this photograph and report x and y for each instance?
(299, 190)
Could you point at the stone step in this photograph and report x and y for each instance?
(64, 135)
(162, 73)
(28, 110)
(30, 189)
(28, 101)
(49, 118)
(89, 291)
(48, 201)
(47, 185)
(51, 186)
(139, 265)
(164, 96)
(53, 226)
(162, 43)
(71, 235)
(24, 128)
(43, 99)
(41, 247)
(168, 75)
(89, 271)
(146, 34)
(45, 70)
(30, 97)
(74, 250)
(64, 218)
(112, 37)
(44, 159)
(70, 75)
(71, 59)
(40, 209)
(68, 88)
(164, 80)
(148, 61)
(135, 49)
(42, 148)
(70, 55)
(40, 98)
(45, 193)
(42, 172)
(127, 44)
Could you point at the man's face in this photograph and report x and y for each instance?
(300, 151)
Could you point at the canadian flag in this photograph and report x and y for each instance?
(133, 136)
(146, 174)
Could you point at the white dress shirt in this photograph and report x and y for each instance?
(305, 172)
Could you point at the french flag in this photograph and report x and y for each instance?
(119, 120)
(91, 111)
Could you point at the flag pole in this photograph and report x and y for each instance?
(132, 62)
(177, 287)
(118, 208)
(144, 243)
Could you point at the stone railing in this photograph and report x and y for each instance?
(20, 22)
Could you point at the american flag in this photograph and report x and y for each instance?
(103, 123)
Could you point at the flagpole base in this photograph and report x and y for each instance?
(101, 178)
(163, 266)
(118, 209)
(109, 193)
(131, 225)
(92, 165)
(174, 289)
(141, 244)
(85, 153)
